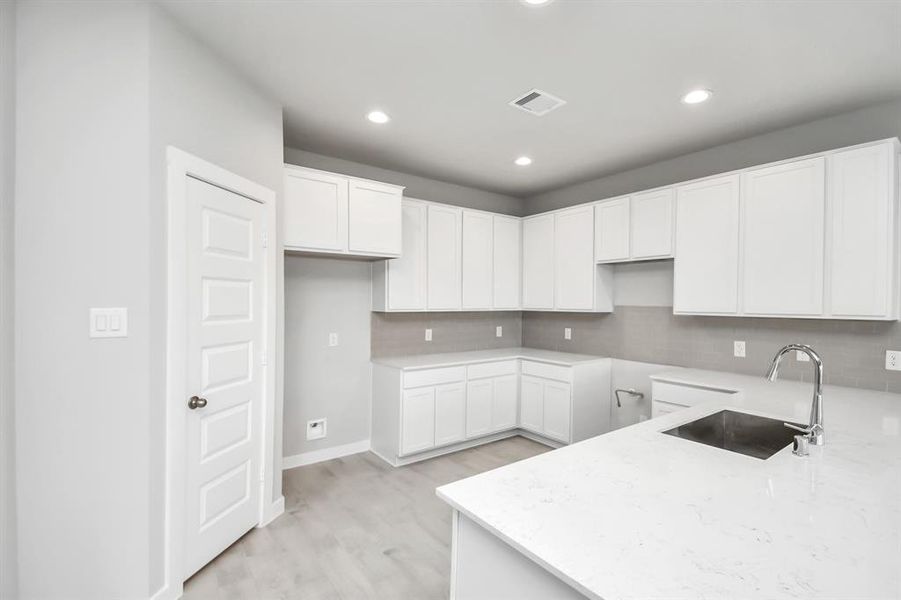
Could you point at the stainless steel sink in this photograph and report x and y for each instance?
(746, 434)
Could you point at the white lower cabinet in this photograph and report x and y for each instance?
(450, 413)
(418, 412)
(418, 429)
(546, 407)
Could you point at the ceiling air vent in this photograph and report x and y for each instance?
(538, 103)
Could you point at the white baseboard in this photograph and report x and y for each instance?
(273, 511)
(316, 456)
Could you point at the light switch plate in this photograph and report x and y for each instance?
(316, 429)
(738, 349)
(333, 339)
(498, 331)
(108, 322)
(428, 335)
(567, 333)
(893, 360)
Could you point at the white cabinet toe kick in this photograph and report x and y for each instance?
(422, 412)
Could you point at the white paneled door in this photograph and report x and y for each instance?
(225, 358)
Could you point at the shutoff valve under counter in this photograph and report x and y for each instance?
(427, 405)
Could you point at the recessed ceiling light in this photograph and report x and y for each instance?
(696, 96)
(536, 2)
(523, 161)
(378, 116)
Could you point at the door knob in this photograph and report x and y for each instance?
(196, 402)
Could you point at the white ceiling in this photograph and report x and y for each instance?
(445, 70)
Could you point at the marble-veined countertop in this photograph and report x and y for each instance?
(638, 514)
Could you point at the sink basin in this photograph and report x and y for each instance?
(746, 434)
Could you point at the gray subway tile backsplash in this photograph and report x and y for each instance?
(853, 351)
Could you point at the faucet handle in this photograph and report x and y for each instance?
(801, 445)
(804, 430)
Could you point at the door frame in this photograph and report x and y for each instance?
(180, 165)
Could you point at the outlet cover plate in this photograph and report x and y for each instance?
(428, 335)
(317, 429)
(738, 349)
(893, 360)
(567, 333)
(498, 331)
(333, 339)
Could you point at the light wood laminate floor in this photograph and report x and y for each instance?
(354, 528)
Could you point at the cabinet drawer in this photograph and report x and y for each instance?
(433, 376)
(547, 371)
(494, 369)
(685, 395)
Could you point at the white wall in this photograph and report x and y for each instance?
(322, 296)
(8, 563)
(82, 240)
(103, 88)
(200, 105)
(416, 186)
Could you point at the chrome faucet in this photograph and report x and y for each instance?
(814, 432)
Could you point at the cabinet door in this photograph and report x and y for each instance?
(443, 270)
(574, 266)
(315, 211)
(557, 406)
(651, 224)
(418, 420)
(407, 274)
(477, 251)
(450, 414)
(706, 267)
(478, 407)
(503, 409)
(783, 208)
(860, 226)
(374, 218)
(507, 262)
(531, 404)
(538, 263)
(611, 225)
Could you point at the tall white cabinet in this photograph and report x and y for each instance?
(507, 263)
(538, 263)
(478, 260)
(443, 264)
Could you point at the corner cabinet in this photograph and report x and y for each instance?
(424, 411)
(558, 268)
(328, 213)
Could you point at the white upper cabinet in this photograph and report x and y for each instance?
(400, 284)
(334, 214)
(507, 262)
(574, 265)
(315, 213)
(651, 224)
(444, 257)
(783, 212)
(612, 230)
(706, 267)
(374, 218)
(861, 233)
(538, 263)
(478, 260)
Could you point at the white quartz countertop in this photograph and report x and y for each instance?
(638, 514)
(451, 359)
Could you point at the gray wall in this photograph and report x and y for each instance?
(201, 105)
(8, 566)
(853, 351)
(398, 334)
(416, 187)
(323, 296)
(864, 125)
(102, 89)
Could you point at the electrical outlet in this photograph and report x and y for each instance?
(738, 349)
(428, 335)
(498, 331)
(893, 360)
(333, 339)
(317, 429)
(567, 333)
(801, 356)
